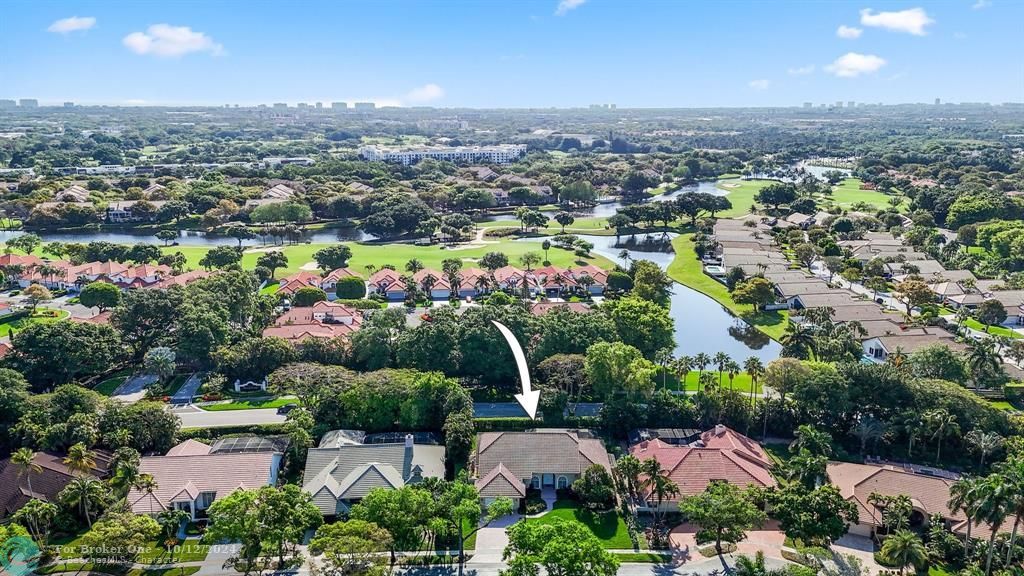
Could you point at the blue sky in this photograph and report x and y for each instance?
(528, 53)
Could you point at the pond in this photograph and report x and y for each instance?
(702, 325)
(188, 237)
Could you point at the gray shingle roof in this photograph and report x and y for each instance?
(540, 451)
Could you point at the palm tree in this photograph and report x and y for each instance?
(912, 425)
(942, 424)
(755, 368)
(904, 549)
(658, 484)
(964, 497)
(721, 359)
(732, 369)
(984, 443)
(146, 483)
(981, 359)
(370, 269)
(681, 368)
(85, 493)
(815, 441)
(664, 358)
(625, 256)
(799, 340)
(897, 358)
(628, 470)
(868, 429)
(1013, 471)
(413, 266)
(701, 362)
(24, 459)
(994, 504)
(80, 460)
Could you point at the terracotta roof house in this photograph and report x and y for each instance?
(506, 463)
(929, 494)
(46, 483)
(18, 260)
(339, 475)
(360, 188)
(720, 454)
(74, 277)
(321, 320)
(542, 308)
(182, 279)
(191, 478)
(388, 283)
(73, 193)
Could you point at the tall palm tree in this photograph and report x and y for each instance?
(984, 443)
(701, 362)
(80, 460)
(413, 266)
(24, 459)
(1013, 472)
(732, 369)
(993, 507)
(868, 429)
(664, 359)
(721, 359)
(941, 424)
(912, 425)
(628, 469)
(85, 493)
(754, 368)
(681, 368)
(624, 256)
(658, 484)
(904, 549)
(964, 497)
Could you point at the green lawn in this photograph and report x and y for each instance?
(609, 527)
(108, 386)
(687, 270)
(250, 404)
(644, 557)
(41, 315)
(399, 254)
(1003, 405)
(992, 330)
(271, 288)
(741, 193)
(848, 192)
(741, 383)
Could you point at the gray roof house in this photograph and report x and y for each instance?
(340, 473)
(506, 463)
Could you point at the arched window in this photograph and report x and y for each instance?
(562, 483)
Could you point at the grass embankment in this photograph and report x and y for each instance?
(742, 382)
(583, 225)
(398, 254)
(40, 316)
(609, 527)
(741, 194)
(111, 384)
(688, 270)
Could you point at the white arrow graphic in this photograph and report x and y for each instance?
(529, 398)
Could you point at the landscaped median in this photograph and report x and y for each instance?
(688, 271)
(250, 404)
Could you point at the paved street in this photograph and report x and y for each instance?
(193, 417)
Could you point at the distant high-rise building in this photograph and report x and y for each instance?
(808, 104)
(839, 103)
(319, 104)
(280, 105)
(302, 105)
(8, 104)
(938, 101)
(364, 106)
(612, 106)
(339, 105)
(28, 103)
(851, 104)
(69, 104)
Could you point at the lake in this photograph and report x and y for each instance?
(189, 237)
(702, 324)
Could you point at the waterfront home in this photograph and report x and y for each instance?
(121, 211)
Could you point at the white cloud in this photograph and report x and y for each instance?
(72, 24)
(912, 21)
(760, 84)
(801, 71)
(425, 93)
(171, 41)
(566, 5)
(852, 64)
(848, 32)
(981, 4)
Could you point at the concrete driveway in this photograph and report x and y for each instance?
(188, 390)
(492, 540)
(683, 542)
(134, 388)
